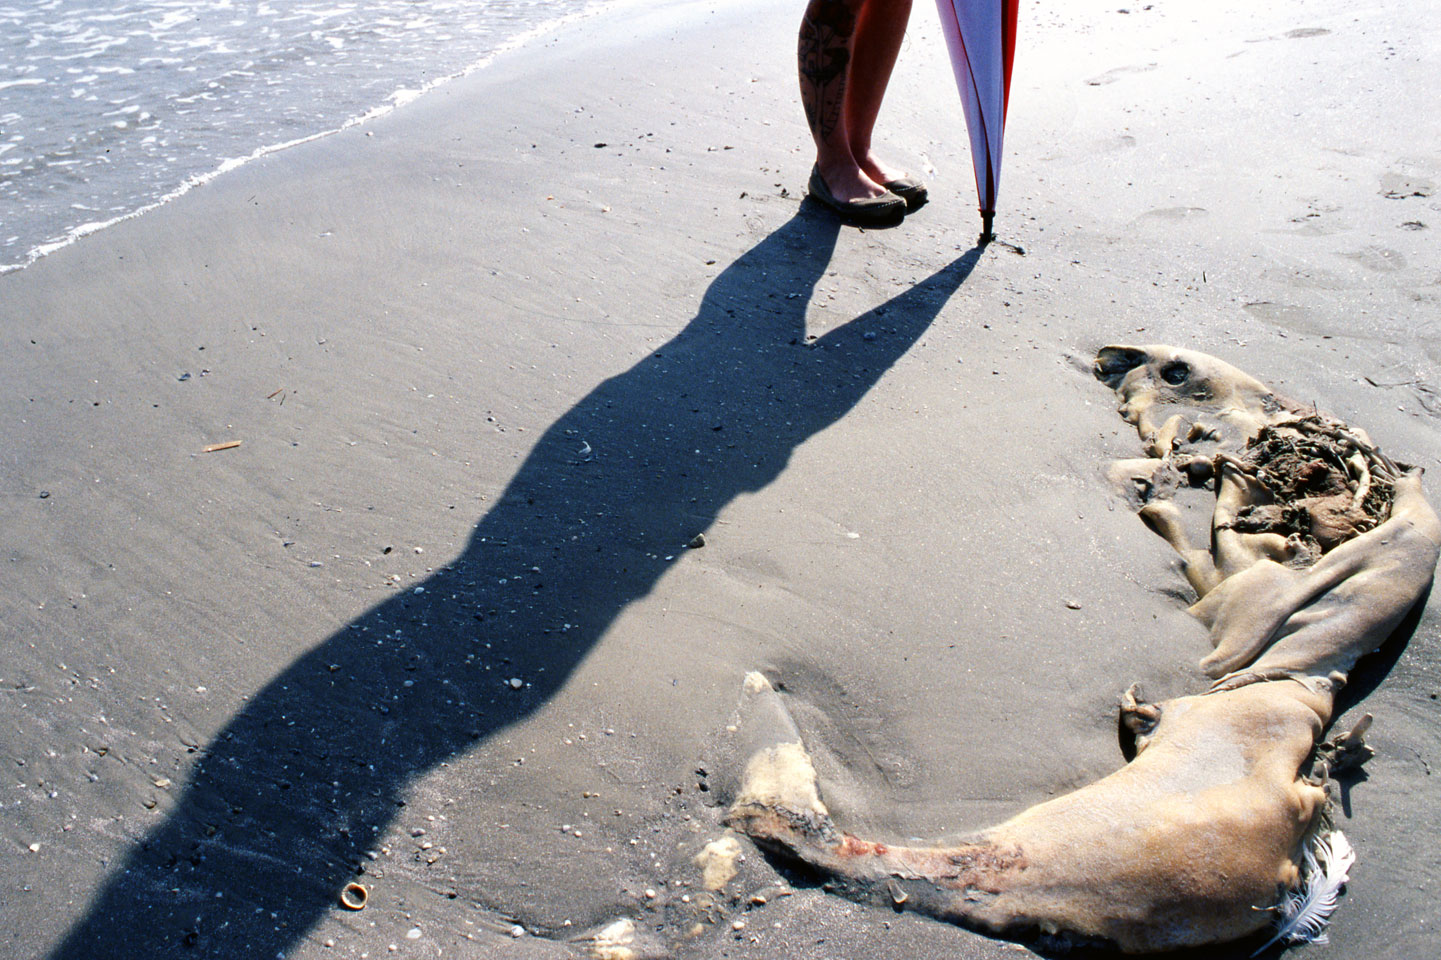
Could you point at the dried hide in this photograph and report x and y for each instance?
(1319, 543)
(1319, 546)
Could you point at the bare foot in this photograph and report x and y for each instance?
(847, 182)
(878, 170)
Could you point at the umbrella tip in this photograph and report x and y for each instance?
(988, 218)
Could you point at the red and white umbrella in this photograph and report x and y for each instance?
(981, 36)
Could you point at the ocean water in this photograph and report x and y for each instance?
(108, 107)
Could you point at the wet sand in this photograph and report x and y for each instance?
(495, 360)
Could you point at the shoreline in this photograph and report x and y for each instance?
(398, 98)
(494, 362)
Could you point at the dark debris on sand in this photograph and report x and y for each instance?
(1326, 484)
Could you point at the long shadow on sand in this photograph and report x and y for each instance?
(279, 811)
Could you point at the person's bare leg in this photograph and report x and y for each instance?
(825, 54)
(880, 28)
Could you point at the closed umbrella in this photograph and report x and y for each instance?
(981, 37)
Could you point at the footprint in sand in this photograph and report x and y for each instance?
(1380, 259)
(1174, 213)
(1310, 227)
(1304, 278)
(1111, 76)
(1288, 316)
(1315, 222)
(1399, 186)
(1300, 33)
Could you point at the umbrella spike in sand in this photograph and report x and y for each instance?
(1217, 827)
(981, 38)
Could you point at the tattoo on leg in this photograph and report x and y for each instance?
(824, 57)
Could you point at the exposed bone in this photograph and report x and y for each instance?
(1326, 488)
(1201, 835)
(1165, 441)
(1225, 403)
(1363, 479)
(1347, 751)
(1236, 493)
(1198, 470)
(1139, 717)
(1275, 612)
(1165, 520)
(1323, 619)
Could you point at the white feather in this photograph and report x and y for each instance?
(1302, 916)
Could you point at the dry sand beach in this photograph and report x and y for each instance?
(494, 360)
